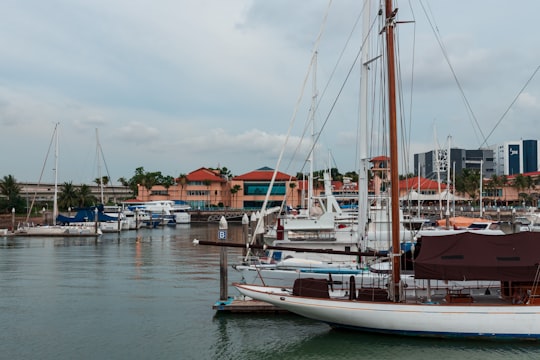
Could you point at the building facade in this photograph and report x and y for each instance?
(434, 164)
(517, 157)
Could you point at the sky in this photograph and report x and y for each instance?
(176, 85)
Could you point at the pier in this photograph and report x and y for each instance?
(239, 305)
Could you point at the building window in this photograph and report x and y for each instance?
(262, 188)
(197, 192)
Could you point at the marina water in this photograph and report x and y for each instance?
(148, 294)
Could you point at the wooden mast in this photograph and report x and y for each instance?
(394, 168)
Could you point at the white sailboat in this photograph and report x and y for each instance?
(30, 229)
(510, 312)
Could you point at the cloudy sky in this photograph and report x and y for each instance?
(174, 85)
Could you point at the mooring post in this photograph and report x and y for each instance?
(223, 284)
(119, 219)
(12, 220)
(245, 232)
(96, 225)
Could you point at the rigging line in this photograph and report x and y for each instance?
(413, 62)
(107, 170)
(351, 68)
(310, 68)
(340, 57)
(53, 137)
(404, 143)
(446, 57)
(338, 61)
(289, 130)
(511, 104)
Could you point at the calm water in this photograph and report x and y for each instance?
(151, 298)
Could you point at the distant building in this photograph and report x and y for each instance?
(253, 186)
(517, 157)
(429, 163)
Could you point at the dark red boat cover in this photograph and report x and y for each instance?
(473, 256)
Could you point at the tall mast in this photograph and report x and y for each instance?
(98, 155)
(394, 165)
(363, 205)
(55, 200)
(313, 135)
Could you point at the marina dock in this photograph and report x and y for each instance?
(237, 305)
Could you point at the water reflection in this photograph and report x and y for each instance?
(291, 337)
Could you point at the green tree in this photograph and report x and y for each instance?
(182, 180)
(234, 191)
(224, 172)
(68, 196)
(85, 197)
(104, 180)
(468, 182)
(519, 183)
(123, 181)
(353, 175)
(137, 179)
(11, 190)
(207, 183)
(168, 181)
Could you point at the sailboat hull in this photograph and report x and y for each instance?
(504, 321)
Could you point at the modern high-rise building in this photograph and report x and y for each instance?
(516, 157)
(427, 164)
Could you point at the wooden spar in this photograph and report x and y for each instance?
(394, 168)
(270, 247)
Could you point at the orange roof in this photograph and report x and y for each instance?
(263, 174)
(531, 174)
(204, 174)
(425, 184)
(380, 158)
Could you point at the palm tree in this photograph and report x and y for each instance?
(519, 183)
(182, 181)
(234, 190)
(468, 182)
(85, 197)
(11, 190)
(167, 182)
(207, 183)
(68, 197)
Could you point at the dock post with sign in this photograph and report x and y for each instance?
(222, 236)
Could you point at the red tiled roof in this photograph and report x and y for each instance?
(425, 184)
(204, 174)
(380, 158)
(531, 174)
(264, 174)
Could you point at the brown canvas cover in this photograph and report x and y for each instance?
(474, 256)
